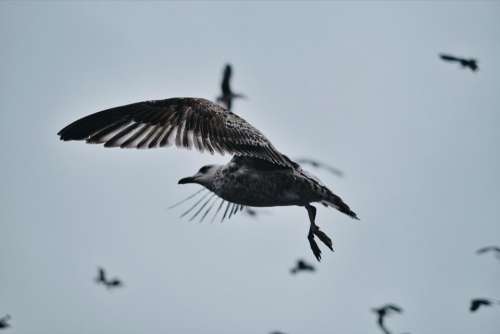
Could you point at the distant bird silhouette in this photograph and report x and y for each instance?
(302, 266)
(489, 249)
(4, 322)
(254, 213)
(383, 311)
(476, 303)
(470, 63)
(320, 165)
(227, 94)
(251, 212)
(276, 332)
(108, 283)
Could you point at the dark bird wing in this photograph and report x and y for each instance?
(380, 322)
(303, 265)
(115, 283)
(483, 250)
(488, 249)
(449, 57)
(101, 275)
(472, 64)
(309, 267)
(226, 81)
(310, 162)
(255, 213)
(4, 322)
(251, 212)
(394, 308)
(318, 164)
(185, 122)
(227, 101)
(476, 303)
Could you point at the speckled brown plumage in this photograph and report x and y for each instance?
(258, 174)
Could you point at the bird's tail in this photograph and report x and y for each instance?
(336, 202)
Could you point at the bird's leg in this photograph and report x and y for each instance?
(315, 231)
(322, 236)
(311, 210)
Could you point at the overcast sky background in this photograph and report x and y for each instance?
(358, 85)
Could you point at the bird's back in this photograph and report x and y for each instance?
(255, 182)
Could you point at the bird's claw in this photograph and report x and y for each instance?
(315, 231)
(314, 246)
(324, 238)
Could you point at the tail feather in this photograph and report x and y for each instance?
(328, 198)
(337, 203)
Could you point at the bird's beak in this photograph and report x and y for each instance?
(189, 179)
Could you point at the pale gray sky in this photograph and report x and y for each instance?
(358, 85)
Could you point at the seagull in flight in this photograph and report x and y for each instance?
(476, 303)
(4, 322)
(470, 63)
(489, 249)
(108, 283)
(227, 95)
(258, 175)
(302, 266)
(383, 311)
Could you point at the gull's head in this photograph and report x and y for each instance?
(204, 176)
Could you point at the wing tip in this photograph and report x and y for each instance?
(71, 133)
(64, 136)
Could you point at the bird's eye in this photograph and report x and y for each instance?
(204, 169)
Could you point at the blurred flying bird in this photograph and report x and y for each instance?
(108, 283)
(258, 175)
(254, 213)
(476, 303)
(489, 249)
(276, 332)
(320, 165)
(227, 95)
(302, 265)
(471, 63)
(383, 311)
(4, 322)
(251, 212)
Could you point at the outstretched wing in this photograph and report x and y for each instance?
(318, 164)
(448, 57)
(101, 275)
(380, 322)
(226, 81)
(483, 250)
(394, 308)
(488, 249)
(475, 304)
(185, 122)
